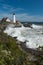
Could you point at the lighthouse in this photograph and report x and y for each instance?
(14, 18)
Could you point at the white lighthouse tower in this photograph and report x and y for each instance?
(14, 18)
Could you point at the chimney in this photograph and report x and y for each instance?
(14, 18)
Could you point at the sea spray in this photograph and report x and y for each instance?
(32, 35)
(37, 26)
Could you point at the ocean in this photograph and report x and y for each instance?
(37, 23)
(33, 36)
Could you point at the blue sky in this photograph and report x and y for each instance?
(26, 10)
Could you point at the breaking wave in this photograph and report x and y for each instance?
(37, 26)
(33, 37)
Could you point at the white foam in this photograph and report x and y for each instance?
(30, 45)
(36, 26)
(33, 36)
(8, 30)
(21, 38)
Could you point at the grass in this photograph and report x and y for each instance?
(10, 53)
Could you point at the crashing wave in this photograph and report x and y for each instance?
(33, 37)
(36, 26)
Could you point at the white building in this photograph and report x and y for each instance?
(8, 20)
(14, 18)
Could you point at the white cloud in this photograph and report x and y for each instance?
(11, 9)
(3, 14)
(5, 6)
(26, 17)
(16, 9)
(22, 17)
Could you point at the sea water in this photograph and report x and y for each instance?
(33, 36)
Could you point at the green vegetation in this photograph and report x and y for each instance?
(11, 54)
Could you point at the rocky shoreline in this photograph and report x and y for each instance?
(22, 46)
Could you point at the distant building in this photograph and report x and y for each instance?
(8, 20)
(14, 18)
(5, 19)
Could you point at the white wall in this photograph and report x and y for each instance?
(14, 19)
